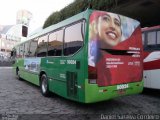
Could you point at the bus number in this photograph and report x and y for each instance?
(71, 62)
(123, 86)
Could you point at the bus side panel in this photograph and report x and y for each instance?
(19, 63)
(155, 81)
(147, 78)
(66, 75)
(53, 70)
(151, 79)
(30, 77)
(28, 74)
(151, 68)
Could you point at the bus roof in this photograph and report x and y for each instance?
(150, 28)
(63, 23)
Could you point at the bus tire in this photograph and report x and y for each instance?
(44, 85)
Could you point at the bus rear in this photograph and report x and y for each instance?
(115, 62)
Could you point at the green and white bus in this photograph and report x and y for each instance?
(90, 57)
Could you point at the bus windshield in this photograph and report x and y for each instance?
(115, 47)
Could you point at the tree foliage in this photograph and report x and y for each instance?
(76, 7)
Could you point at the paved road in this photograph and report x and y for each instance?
(22, 99)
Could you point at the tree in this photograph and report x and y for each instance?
(78, 6)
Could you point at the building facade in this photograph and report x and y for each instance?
(10, 35)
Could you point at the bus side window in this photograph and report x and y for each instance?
(33, 47)
(21, 51)
(55, 43)
(158, 40)
(13, 53)
(144, 40)
(151, 40)
(26, 54)
(42, 46)
(73, 39)
(17, 52)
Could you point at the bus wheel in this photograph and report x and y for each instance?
(44, 85)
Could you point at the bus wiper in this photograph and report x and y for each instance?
(118, 52)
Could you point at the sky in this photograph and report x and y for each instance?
(40, 9)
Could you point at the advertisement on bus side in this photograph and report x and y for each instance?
(32, 64)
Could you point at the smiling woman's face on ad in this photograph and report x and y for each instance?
(109, 30)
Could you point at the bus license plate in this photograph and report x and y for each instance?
(121, 91)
